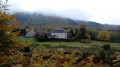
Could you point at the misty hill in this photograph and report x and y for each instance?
(43, 20)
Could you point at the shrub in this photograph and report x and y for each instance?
(85, 54)
(116, 64)
(106, 47)
(41, 37)
(26, 49)
(102, 55)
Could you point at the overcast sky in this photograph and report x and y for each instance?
(102, 11)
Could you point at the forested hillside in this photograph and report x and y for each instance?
(36, 19)
(41, 20)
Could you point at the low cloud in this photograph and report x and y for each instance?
(102, 11)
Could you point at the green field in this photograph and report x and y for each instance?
(68, 45)
(64, 54)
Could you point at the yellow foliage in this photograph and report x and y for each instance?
(88, 36)
(25, 44)
(36, 65)
(103, 35)
(8, 23)
(66, 64)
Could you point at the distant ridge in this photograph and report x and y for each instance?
(36, 19)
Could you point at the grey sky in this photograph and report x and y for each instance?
(102, 11)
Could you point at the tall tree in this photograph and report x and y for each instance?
(114, 37)
(93, 33)
(82, 32)
(119, 36)
(71, 33)
(76, 32)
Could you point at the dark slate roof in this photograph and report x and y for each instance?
(40, 31)
(59, 31)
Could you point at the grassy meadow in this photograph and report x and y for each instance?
(93, 46)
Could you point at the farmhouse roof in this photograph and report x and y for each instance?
(59, 31)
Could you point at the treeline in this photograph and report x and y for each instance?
(74, 33)
(83, 34)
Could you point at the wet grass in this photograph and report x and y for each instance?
(76, 45)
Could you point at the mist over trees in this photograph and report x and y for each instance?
(37, 19)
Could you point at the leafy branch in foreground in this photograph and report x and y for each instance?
(8, 23)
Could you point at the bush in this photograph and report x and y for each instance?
(106, 47)
(102, 55)
(26, 49)
(41, 37)
(85, 54)
(116, 64)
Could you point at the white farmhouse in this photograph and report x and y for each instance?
(30, 33)
(61, 34)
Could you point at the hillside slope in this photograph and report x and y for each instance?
(43, 20)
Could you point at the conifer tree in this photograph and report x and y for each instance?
(71, 33)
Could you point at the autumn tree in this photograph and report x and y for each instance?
(88, 36)
(8, 38)
(27, 28)
(103, 35)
